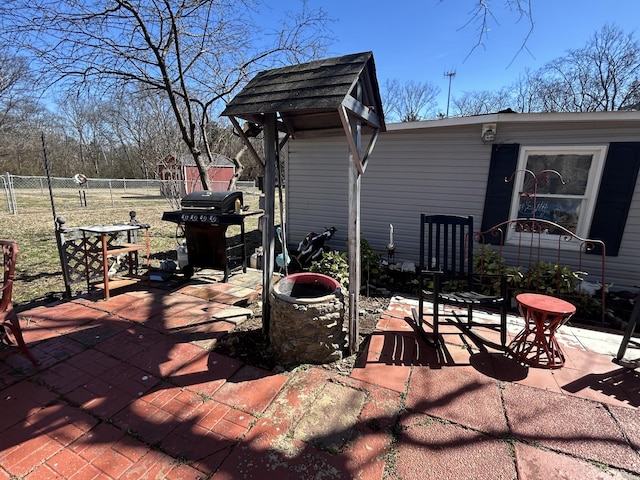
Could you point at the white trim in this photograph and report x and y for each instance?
(617, 116)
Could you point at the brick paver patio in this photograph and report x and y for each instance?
(128, 388)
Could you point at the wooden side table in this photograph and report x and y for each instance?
(107, 247)
(536, 344)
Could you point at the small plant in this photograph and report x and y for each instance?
(515, 278)
(551, 278)
(333, 264)
(336, 265)
(542, 277)
(372, 269)
(489, 266)
(487, 261)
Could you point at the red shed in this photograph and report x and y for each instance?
(180, 174)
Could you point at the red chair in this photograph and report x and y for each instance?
(8, 318)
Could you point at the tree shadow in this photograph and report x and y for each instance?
(128, 376)
(120, 371)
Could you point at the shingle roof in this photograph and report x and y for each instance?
(307, 96)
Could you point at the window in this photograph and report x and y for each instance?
(611, 183)
(559, 184)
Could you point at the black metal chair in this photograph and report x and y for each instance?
(446, 277)
(626, 338)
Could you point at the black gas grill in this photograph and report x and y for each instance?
(205, 207)
(205, 216)
(212, 202)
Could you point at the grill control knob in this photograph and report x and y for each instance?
(184, 217)
(203, 218)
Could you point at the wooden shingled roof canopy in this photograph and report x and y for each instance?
(308, 96)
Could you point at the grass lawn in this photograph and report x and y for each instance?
(39, 272)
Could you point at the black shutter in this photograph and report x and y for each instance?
(614, 197)
(497, 200)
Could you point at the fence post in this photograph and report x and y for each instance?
(111, 192)
(12, 195)
(6, 192)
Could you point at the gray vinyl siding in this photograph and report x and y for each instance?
(406, 175)
(431, 170)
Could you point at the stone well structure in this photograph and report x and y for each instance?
(307, 317)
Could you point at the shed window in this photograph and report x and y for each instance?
(559, 185)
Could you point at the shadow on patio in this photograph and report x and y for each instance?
(128, 388)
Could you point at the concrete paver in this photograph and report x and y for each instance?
(535, 463)
(427, 446)
(458, 396)
(568, 424)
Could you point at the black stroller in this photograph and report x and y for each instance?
(311, 248)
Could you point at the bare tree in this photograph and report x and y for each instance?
(195, 53)
(19, 113)
(410, 101)
(482, 102)
(20, 141)
(483, 17)
(634, 97)
(526, 92)
(145, 130)
(601, 76)
(15, 78)
(75, 110)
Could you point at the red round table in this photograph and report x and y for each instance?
(536, 344)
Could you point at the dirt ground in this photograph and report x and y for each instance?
(248, 344)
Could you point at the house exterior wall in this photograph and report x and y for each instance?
(432, 170)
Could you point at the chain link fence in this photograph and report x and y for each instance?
(23, 194)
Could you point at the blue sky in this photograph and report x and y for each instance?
(422, 39)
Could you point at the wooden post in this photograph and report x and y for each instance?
(354, 231)
(268, 226)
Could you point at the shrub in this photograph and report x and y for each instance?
(551, 278)
(336, 265)
(487, 261)
(373, 270)
(544, 277)
(333, 264)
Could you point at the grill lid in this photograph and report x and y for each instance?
(219, 202)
